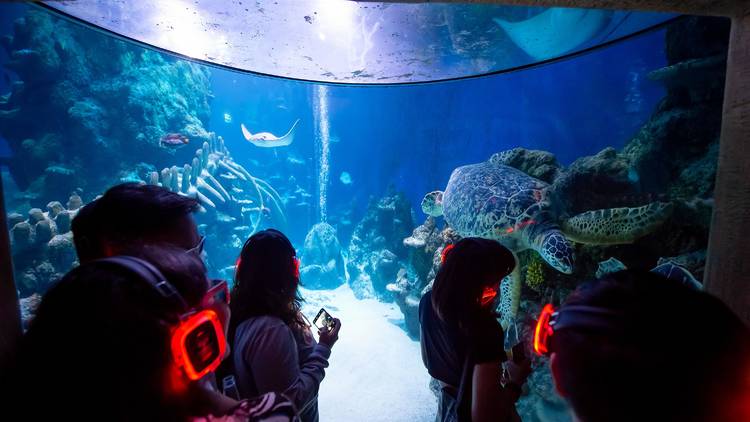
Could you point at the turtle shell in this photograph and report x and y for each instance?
(493, 201)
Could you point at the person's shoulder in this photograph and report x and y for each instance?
(261, 322)
(262, 325)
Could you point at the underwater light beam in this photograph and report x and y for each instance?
(182, 27)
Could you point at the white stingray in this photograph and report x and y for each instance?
(267, 139)
(556, 31)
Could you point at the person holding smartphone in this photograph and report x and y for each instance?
(462, 341)
(273, 348)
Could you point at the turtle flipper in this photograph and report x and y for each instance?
(432, 203)
(616, 226)
(510, 297)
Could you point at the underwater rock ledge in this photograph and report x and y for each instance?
(103, 108)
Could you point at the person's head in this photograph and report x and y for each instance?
(651, 348)
(469, 278)
(266, 280)
(102, 340)
(132, 213)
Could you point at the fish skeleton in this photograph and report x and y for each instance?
(267, 139)
(228, 176)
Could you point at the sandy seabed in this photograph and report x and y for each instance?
(376, 371)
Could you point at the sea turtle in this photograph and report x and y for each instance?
(496, 201)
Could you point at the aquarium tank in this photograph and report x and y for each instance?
(373, 135)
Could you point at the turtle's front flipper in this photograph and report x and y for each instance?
(616, 226)
(510, 297)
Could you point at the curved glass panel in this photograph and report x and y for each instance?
(350, 173)
(364, 43)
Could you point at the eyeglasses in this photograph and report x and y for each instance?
(219, 290)
(197, 250)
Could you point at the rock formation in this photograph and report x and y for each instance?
(87, 108)
(42, 246)
(376, 250)
(322, 261)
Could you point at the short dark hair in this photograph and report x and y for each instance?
(471, 265)
(127, 213)
(102, 329)
(674, 355)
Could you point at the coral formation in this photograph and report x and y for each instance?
(541, 165)
(42, 246)
(535, 274)
(612, 265)
(425, 240)
(87, 107)
(322, 261)
(376, 249)
(403, 293)
(426, 245)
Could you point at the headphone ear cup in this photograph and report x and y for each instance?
(198, 344)
(295, 266)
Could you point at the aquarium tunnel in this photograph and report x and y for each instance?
(341, 123)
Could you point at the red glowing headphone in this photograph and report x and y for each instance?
(197, 340)
(572, 316)
(444, 254)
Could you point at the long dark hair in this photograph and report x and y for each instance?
(266, 281)
(471, 265)
(102, 328)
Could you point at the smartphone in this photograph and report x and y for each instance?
(323, 320)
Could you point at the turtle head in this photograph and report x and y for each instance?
(432, 203)
(557, 251)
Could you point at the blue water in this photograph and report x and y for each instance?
(412, 137)
(379, 140)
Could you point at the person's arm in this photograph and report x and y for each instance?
(489, 401)
(274, 362)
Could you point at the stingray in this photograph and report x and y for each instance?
(556, 31)
(267, 139)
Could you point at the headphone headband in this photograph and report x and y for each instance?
(150, 274)
(586, 317)
(572, 316)
(197, 340)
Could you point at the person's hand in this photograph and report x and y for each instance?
(330, 336)
(517, 372)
